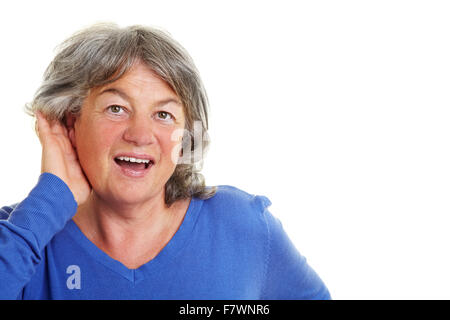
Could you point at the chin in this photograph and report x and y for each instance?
(133, 195)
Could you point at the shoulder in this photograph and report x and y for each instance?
(241, 211)
(233, 198)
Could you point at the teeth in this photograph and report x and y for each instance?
(130, 159)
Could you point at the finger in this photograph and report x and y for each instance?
(53, 127)
(36, 127)
(42, 126)
(58, 128)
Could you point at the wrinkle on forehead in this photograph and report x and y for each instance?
(140, 80)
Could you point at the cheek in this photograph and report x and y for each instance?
(170, 142)
(94, 142)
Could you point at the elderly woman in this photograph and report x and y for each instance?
(120, 210)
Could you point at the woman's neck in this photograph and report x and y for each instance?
(132, 234)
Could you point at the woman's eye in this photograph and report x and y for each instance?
(164, 115)
(115, 109)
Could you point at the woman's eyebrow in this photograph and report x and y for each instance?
(115, 91)
(125, 96)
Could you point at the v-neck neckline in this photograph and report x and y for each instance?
(170, 250)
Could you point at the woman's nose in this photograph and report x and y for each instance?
(139, 131)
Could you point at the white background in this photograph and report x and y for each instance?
(338, 111)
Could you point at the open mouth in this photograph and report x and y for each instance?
(135, 164)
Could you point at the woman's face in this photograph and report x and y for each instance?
(126, 135)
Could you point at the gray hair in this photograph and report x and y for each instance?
(101, 54)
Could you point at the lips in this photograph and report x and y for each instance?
(134, 165)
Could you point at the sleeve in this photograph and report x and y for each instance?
(288, 275)
(28, 228)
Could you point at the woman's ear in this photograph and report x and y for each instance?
(70, 120)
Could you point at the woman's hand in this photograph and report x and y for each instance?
(60, 158)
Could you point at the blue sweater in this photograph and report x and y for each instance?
(227, 247)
